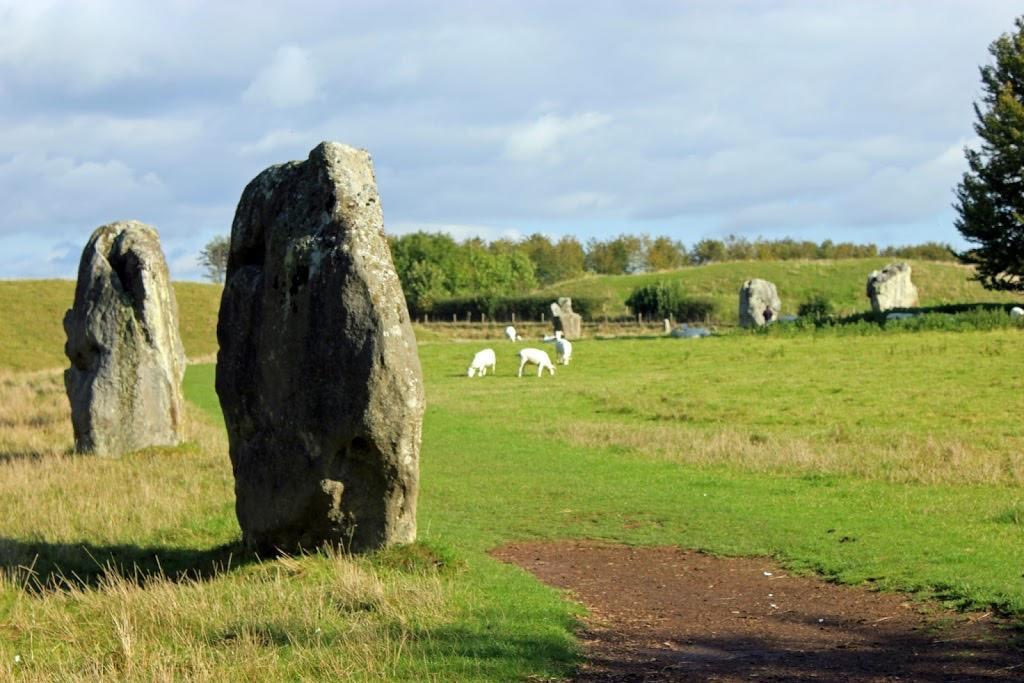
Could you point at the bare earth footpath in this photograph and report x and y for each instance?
(662, 614)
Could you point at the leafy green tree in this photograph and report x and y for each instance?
(708, 251)
(990, 198)
(214, 258)
(569, 257)
(665, 254)
(544, 257)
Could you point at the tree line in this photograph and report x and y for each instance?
(434, 266)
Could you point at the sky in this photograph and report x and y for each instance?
(812, 120)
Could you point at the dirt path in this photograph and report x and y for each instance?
(661, 614)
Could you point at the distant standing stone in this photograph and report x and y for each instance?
(565, 320)
(891, 288)
(318, 373)
(759, 303)
(127, 361)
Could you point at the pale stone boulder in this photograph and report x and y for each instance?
(127, 360)
(891, 288)
(318, 373)
(759, 303)
(565, 320)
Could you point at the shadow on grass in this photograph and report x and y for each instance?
(470, 653)
(845, 652)
(46, 566)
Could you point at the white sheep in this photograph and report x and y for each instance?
(538, 358)
(511, 333)
(1017, 312)
(481, 361)
(564, 348)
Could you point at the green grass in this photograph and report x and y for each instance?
(507, 458)
(842, 282)
(32, 312)
(890, 459)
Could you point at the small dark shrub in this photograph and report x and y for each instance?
(817, 308)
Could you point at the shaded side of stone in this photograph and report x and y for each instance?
(318, 373)
(759, 303)
(127, 360)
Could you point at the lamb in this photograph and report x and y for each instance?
(564, 348)
(481, 361)
(511, 333)
(1017, 312)
(538, 358)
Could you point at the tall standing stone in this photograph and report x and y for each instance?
(127, 361)
(318, 373)
(891, 288)
(565, 320)
(759, 303)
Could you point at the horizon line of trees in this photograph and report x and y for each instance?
(434, 266)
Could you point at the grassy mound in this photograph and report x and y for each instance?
(840, 282)
(32, 314)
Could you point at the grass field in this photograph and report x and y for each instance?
(895, 460)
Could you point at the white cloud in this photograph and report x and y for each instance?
(275, 141)
(542, 139)
(54, 192)
(575, 203)
(290, 80)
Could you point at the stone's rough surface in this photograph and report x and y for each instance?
(127, 361)
(565, 320)
(318, 373)
(759, 303)
(891, 288)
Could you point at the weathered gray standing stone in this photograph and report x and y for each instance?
(127, 361)
(891, 288)
(318, 373)
(759, 303)
(565, 320)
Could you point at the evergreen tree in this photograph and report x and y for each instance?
(990, 198)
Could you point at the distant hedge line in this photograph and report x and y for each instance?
(502, 308)
(668, 300)
(949, 317)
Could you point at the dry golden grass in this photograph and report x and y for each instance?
(35, 419)
(325, 616)
(100, 499)
(897, 458)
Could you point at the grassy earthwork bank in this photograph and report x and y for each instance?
(32, 315)
(841, 282)
(894, 459)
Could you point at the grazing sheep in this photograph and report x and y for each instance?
(511, 333)
(564, 349)
(481, 361)
(1017, 312)
(538, 358)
